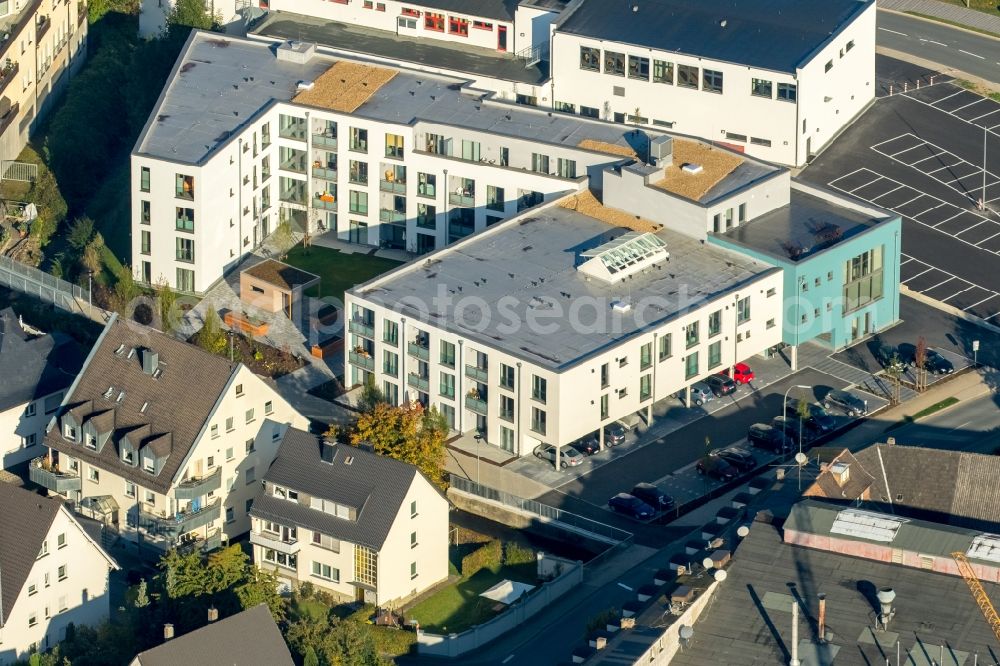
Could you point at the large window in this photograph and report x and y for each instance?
(539, 163)
(743, 310)
(470, 150)
(458, 26)
(663, 71)
(566, 168)
(144, 179)
(358, 172)
(365, 565)
(359, 202)
(394, 145)
(434, 22)
(447, 354)
(638, 68)
(687, 76)
(495, 198)
(539, 388)
(590, 59)
(714, 355)
(448, 385)
(715, 323)
(646, 355)
(691, 365)
(691, 334)
(646, 387)
(614, 63)
(185, 219)
(863, 279)
(786, 91)
(326, 572)
(760, 88)
(185, 249)
(507, 408)
(359, 139)
(507, 376)
(426, 184)
(666, 345)
(711, 80)
(185, 280)
(538, 420)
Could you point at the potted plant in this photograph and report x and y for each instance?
(474, 394)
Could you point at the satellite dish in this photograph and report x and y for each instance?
(720, 576)
(801, 458)
(686, 632)
(708, 563)
(743, 531)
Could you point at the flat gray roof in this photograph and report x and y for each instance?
(807, 225)
(524, 271)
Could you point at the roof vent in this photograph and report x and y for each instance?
(661, 150)
(621, 306)
(692, 169)
(145, 406)
(121, 396)
(348, 460)
(150, 361)
(722, 23)
(131, 353)
(120, 350)
(305, 85)
(299, 53)
(109, 392)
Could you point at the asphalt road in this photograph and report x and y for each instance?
(961, 50)
(967, 426)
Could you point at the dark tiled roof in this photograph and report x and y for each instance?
(250, 638)
(280, 274)
(858, 480)
(495, 9)
(179, 400)
(748, 622)
(33, 367)
(771, 34)
(374, 485)
(25, 520)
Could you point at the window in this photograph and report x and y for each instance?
(249, 445)
(715, 323)
(614, 63)
(268, 408)
(482, 25)
(61, 541)
(230, 453)
(566, 168)
(413, 539)
(365, 565)
(413, 509)
(43, 551)
(691, 334)
(507, 408)
(434, 22)
(732, 136)
(185, 219)
(714, 355)
(743, 310)
(394, 146)
(359, 140)
(231, 516)
(229, 424)
(538, 420)
(426, 184)
(448, 385)
(390, 363)
(760, 88)
(645, 355)
(687, 76)
(144, 179)
(770, 323)
(605, 375)
(326, 541)
(495, 198)
(539, 388)
(32, 619)
(390, 332)
(590, 59)
(214, 430)
(251, 475)
(61, 572)
(663, 71)
(185, 280)
(539, 163)
(691, 365)
(786, 92)
(147, 213)
(645, 387)
(69, 432)
(470, 150)
(828, 66)
(357, 172)
(638, 68)
(850, 45)
(413, 570)
(129, 489)
(185, 249)
(507, 376)
(711, 80)
(326, 572)
(281, 559)
(358, 202)
(666, 343)
(590, 112)
(771, 292)
(32, 590)
(249, 415)
(506, 439)
(93, 474)
(863, 281)
(458, 26)
(150, 497)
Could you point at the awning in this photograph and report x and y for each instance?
(507, 591)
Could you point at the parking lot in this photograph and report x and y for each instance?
(920, 154)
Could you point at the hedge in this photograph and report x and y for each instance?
(514, 554)
(490, 556)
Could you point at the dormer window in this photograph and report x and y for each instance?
(90, 441)
(69, 432)
(128, 456)
(148, 464)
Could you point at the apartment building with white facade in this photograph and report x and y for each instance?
(163, 440)
(36, 370)
(52, 574)
(776, 78)
(557, 322)
(248, 134)
(44, 42)
(360, 526)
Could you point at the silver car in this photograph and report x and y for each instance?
(701, 393)
(568, 456)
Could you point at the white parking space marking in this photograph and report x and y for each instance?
(990, 128)
(928, 210)
(952, 176)
(971, 228)
(971, 286)
(933, 226)
(959, 92)
(984, 115)
(907, 259)
(981, 99)
(889, 192)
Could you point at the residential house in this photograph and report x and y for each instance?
(36, 369)
(52, 574)
(162, 440)
(358, 525)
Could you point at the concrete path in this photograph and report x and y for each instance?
(956, 14)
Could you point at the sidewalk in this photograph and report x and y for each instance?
(954, 13)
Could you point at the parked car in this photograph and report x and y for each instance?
(934, 362)
(588, 446)
(653, 496)
(846, 402)
(742, 375)
(569, 457)
(818, 419)
(614, 434)
(721, 385)
(739, 458)
(631, 506)
(717, 468)
(763, 436)
(701, 393)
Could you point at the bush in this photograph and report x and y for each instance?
(601, 620)
(463, 535)
(514, 554)
(490, 556)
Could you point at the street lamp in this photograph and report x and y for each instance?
(90, 290)
(478, 437)
(784, 408)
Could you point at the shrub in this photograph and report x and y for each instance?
(514, 553)
(490, 556)
(463, 535)
(601, 620)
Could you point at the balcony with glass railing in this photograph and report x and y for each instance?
(391, 216)
(362, 327)
(418, 382)
(476, 402)
(196, 487)
(480, 374)
(326, 140)
(276, 542)
(362, 359)
(175, 524)
(50, 477)
(419, 350)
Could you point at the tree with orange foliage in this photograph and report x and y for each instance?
(408, 433)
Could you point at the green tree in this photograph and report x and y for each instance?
(309, 657)
(185, 574)
(283, 239)
(141, 595)
(167, 299)
(80, 233)
(188, 14)
(261, 587)
(371, 395)
(408, 433)
(210, 337)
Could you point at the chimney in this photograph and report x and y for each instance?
(327, 452)
(890, 441)
(886, 595)
(168, 631)
(213, 614)
(150, 361)
(821, 629)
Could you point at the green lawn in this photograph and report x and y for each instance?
(338, 271)
(457, 607)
